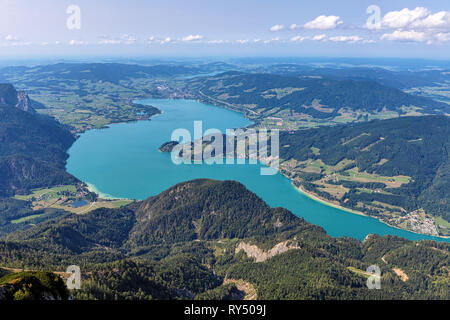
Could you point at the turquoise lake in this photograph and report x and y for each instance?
(123, 161)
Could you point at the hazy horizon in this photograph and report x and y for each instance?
(174, 28)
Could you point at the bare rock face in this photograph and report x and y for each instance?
(259, 255)
(24, 102)
(368, 237)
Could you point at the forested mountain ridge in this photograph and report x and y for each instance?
(206, 210)
(397, 79)
(193, 210)
(194, 251)
(32, 286)
(291, 99)
(385, 168)
(32, 147)
(109, 72)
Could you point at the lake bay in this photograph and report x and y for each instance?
(123, 161)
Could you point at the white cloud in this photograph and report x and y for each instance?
(409, 36)
(77, 42)
(217, 41)
(47, 43)
(442, 37)
(403, 18)
(123, 39)
(277, 27)
(12, 41)
(10, 37)
(295, 26)
(109, 41)
(433, 21)
(416, 25)
(166, 40)
(319, 37)
(16, 44)
(191, 37)
(127, 39)
(277, 39)
(418, 18)
(297, 39)
(350, 39)
(324, 23)
(242, 41)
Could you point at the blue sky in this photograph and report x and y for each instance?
(419, 29)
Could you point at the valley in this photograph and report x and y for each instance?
(119, 92)
(224, 159)
(339, 170)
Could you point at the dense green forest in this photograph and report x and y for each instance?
(182, 244)
(416, 147)
(397, 79)
(186, 243)
(319, 98)
(32, 286)
(106, 72)
(32, 148)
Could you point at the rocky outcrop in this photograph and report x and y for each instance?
(259, 255)
(24, 103)
(19, 99)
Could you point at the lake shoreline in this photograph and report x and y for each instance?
(92, 188)
(208, 100)
(330, 204)
(336, 206)
(291, 204)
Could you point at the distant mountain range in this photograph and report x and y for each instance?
(108, 72)
(397, 79)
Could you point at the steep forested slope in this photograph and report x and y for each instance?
(271, 94)
(32, 148)
(188, 243)
(33, 286)
(397, 79)
(411, 153)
